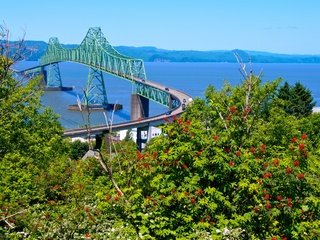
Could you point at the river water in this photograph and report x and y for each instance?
(192, 78)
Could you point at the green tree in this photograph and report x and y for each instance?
(79, 194)
(78, 149)
(298, 100)
(311, 125)
(30, 138)
(239, 168)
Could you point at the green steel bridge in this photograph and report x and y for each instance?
(96, 53)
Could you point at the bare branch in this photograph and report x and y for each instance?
(224, 122)
(242, 65)
(108, 171)
(5, 219)
(10, 51)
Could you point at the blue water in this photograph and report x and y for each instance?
(192, 78)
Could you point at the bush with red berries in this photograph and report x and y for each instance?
(239, 168)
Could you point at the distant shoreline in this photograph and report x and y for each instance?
(153, 54)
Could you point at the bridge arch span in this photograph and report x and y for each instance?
(95, 51)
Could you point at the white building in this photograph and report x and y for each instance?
(154, 132)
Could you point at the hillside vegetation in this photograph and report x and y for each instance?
(237, 164)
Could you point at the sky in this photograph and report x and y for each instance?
(278, 26)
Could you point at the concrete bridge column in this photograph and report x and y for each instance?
(170, 102)
(140, 110)
(139, 107)
(45, 77)
(98, 141)
(142, 137)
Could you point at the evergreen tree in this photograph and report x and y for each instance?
(284, 94)
(302, 100)
(298, 99)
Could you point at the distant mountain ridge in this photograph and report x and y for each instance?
(153, 54)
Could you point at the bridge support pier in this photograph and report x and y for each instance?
(140, 110)
(95, 93)
(139, 107)
(52, 78)
(98, 141)
(142, 137)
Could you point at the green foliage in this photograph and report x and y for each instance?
(78, 149)
(233, 166)
(311, 125)
(30, 138)
(298, 100)
(128, 136)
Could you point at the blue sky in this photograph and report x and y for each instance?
(281, 26)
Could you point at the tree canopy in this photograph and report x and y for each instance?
(298, 100)
(236, 166)
(30, 139)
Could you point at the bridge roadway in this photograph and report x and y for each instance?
(157, 120)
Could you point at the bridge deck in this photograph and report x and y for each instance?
(151, 121)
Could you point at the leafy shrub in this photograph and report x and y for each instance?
(238, 168)
(78, 149)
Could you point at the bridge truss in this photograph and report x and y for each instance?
(97, 53)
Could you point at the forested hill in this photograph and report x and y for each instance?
(152, 54)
